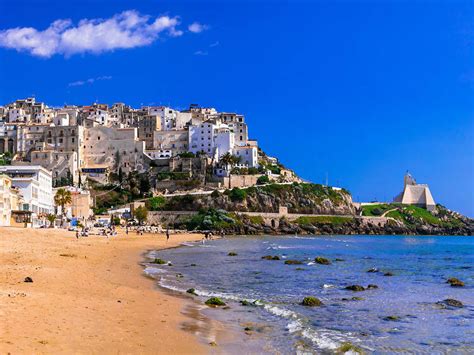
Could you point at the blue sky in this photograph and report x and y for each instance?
(362, 91)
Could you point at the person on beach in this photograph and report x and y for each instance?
(77, 233)
(167, 235)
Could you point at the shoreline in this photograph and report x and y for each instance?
(90, 296)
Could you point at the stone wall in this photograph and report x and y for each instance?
(240, 181)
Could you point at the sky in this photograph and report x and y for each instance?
(358, 91)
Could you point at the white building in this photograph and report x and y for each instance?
(100, 116)
(248, 155)
(36, 186)
(201, 138)
(223, 141)
(18, 115)
(415, 194)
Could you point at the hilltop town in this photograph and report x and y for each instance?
(88, 147)
(193, 169)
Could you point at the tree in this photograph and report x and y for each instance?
(51, 218)
(145, 185)
(141, 214)
(120, 175)
(62, 198)
(229, 160)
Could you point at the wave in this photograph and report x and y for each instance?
(188, 244)
(322, 338)
(150, 271)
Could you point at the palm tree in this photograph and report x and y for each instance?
(227, 159)
(62, 198)
(51, 218)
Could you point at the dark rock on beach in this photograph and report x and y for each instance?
(191, 291)
(28, 279)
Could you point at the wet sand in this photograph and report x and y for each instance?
(87, 296)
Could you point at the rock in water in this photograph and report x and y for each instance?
(311, 302)
(232, 254)
(388, 273)
(355, 288)
(322, 261)
(374, 269)
(215, 301)
(454, 282)
(269, 257)
(452, 303)
(372, 287)
(293, 262)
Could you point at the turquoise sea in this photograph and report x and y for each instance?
(402, 315)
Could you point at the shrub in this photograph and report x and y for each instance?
(377, 212)
(237, 194)
(141, 213)
(155, 203)
(215, 194)
(187, 155)
(262, 180)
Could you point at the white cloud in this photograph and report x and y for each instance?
(89, 81)
(128, 29)
(215, 44)
(201, 53)
(196, 27)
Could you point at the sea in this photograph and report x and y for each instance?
(402, 315)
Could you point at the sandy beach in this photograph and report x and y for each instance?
(87, 296)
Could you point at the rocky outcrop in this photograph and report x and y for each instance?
(352, 227)
(298, 198)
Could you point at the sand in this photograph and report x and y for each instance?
(87, 296)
